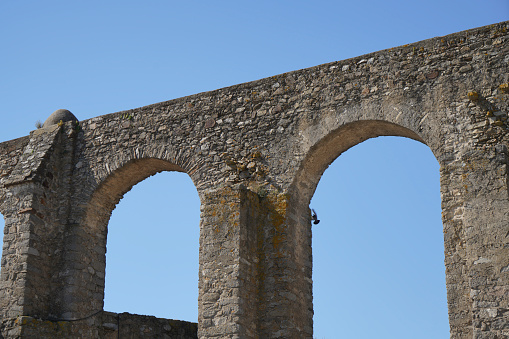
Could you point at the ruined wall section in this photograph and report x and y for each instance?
(94, 201)
(422, 87)
(11, 281)
(133, 326)
(37, 202)
(260, 131)
(106, 325)
(39, 186)
(20, 251)
(454, 100)
(275, 137)
(463, 118)
(474, 187)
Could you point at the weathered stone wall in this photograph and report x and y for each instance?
(254, 268)
(132, 326)
(12, 277)
(105, 325)
(255, 153)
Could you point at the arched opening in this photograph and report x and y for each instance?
(378, 252)
(85, 258)
(152, 249)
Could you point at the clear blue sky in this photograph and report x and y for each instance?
(378, 252)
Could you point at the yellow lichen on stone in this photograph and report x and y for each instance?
(504, 88)
(473, 96)
(256, 155)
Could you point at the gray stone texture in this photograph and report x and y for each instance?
(255, 153)
(105, 325)
(59, 116)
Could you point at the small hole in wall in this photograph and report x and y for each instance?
(152, 249)
(378, 252)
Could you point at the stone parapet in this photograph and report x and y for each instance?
(105, 325)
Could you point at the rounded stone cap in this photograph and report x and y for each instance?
(59, 115)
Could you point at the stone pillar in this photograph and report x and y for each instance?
(286, 291)
(486, 220)
(476, 233)
(36, 212)
(460, 317)
(24, 264)
(255, 267)
(228, 265)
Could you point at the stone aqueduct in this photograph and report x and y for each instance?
(255, 153)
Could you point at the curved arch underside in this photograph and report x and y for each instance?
(88, 242)
(113, 188)
(325, 151)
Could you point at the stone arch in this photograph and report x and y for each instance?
(370, 176)
(85, 246)
(323, 152)
(155, 223)
(119, 182)
(326, 150)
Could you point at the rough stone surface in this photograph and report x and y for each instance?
(255, 153)
(105, 325)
